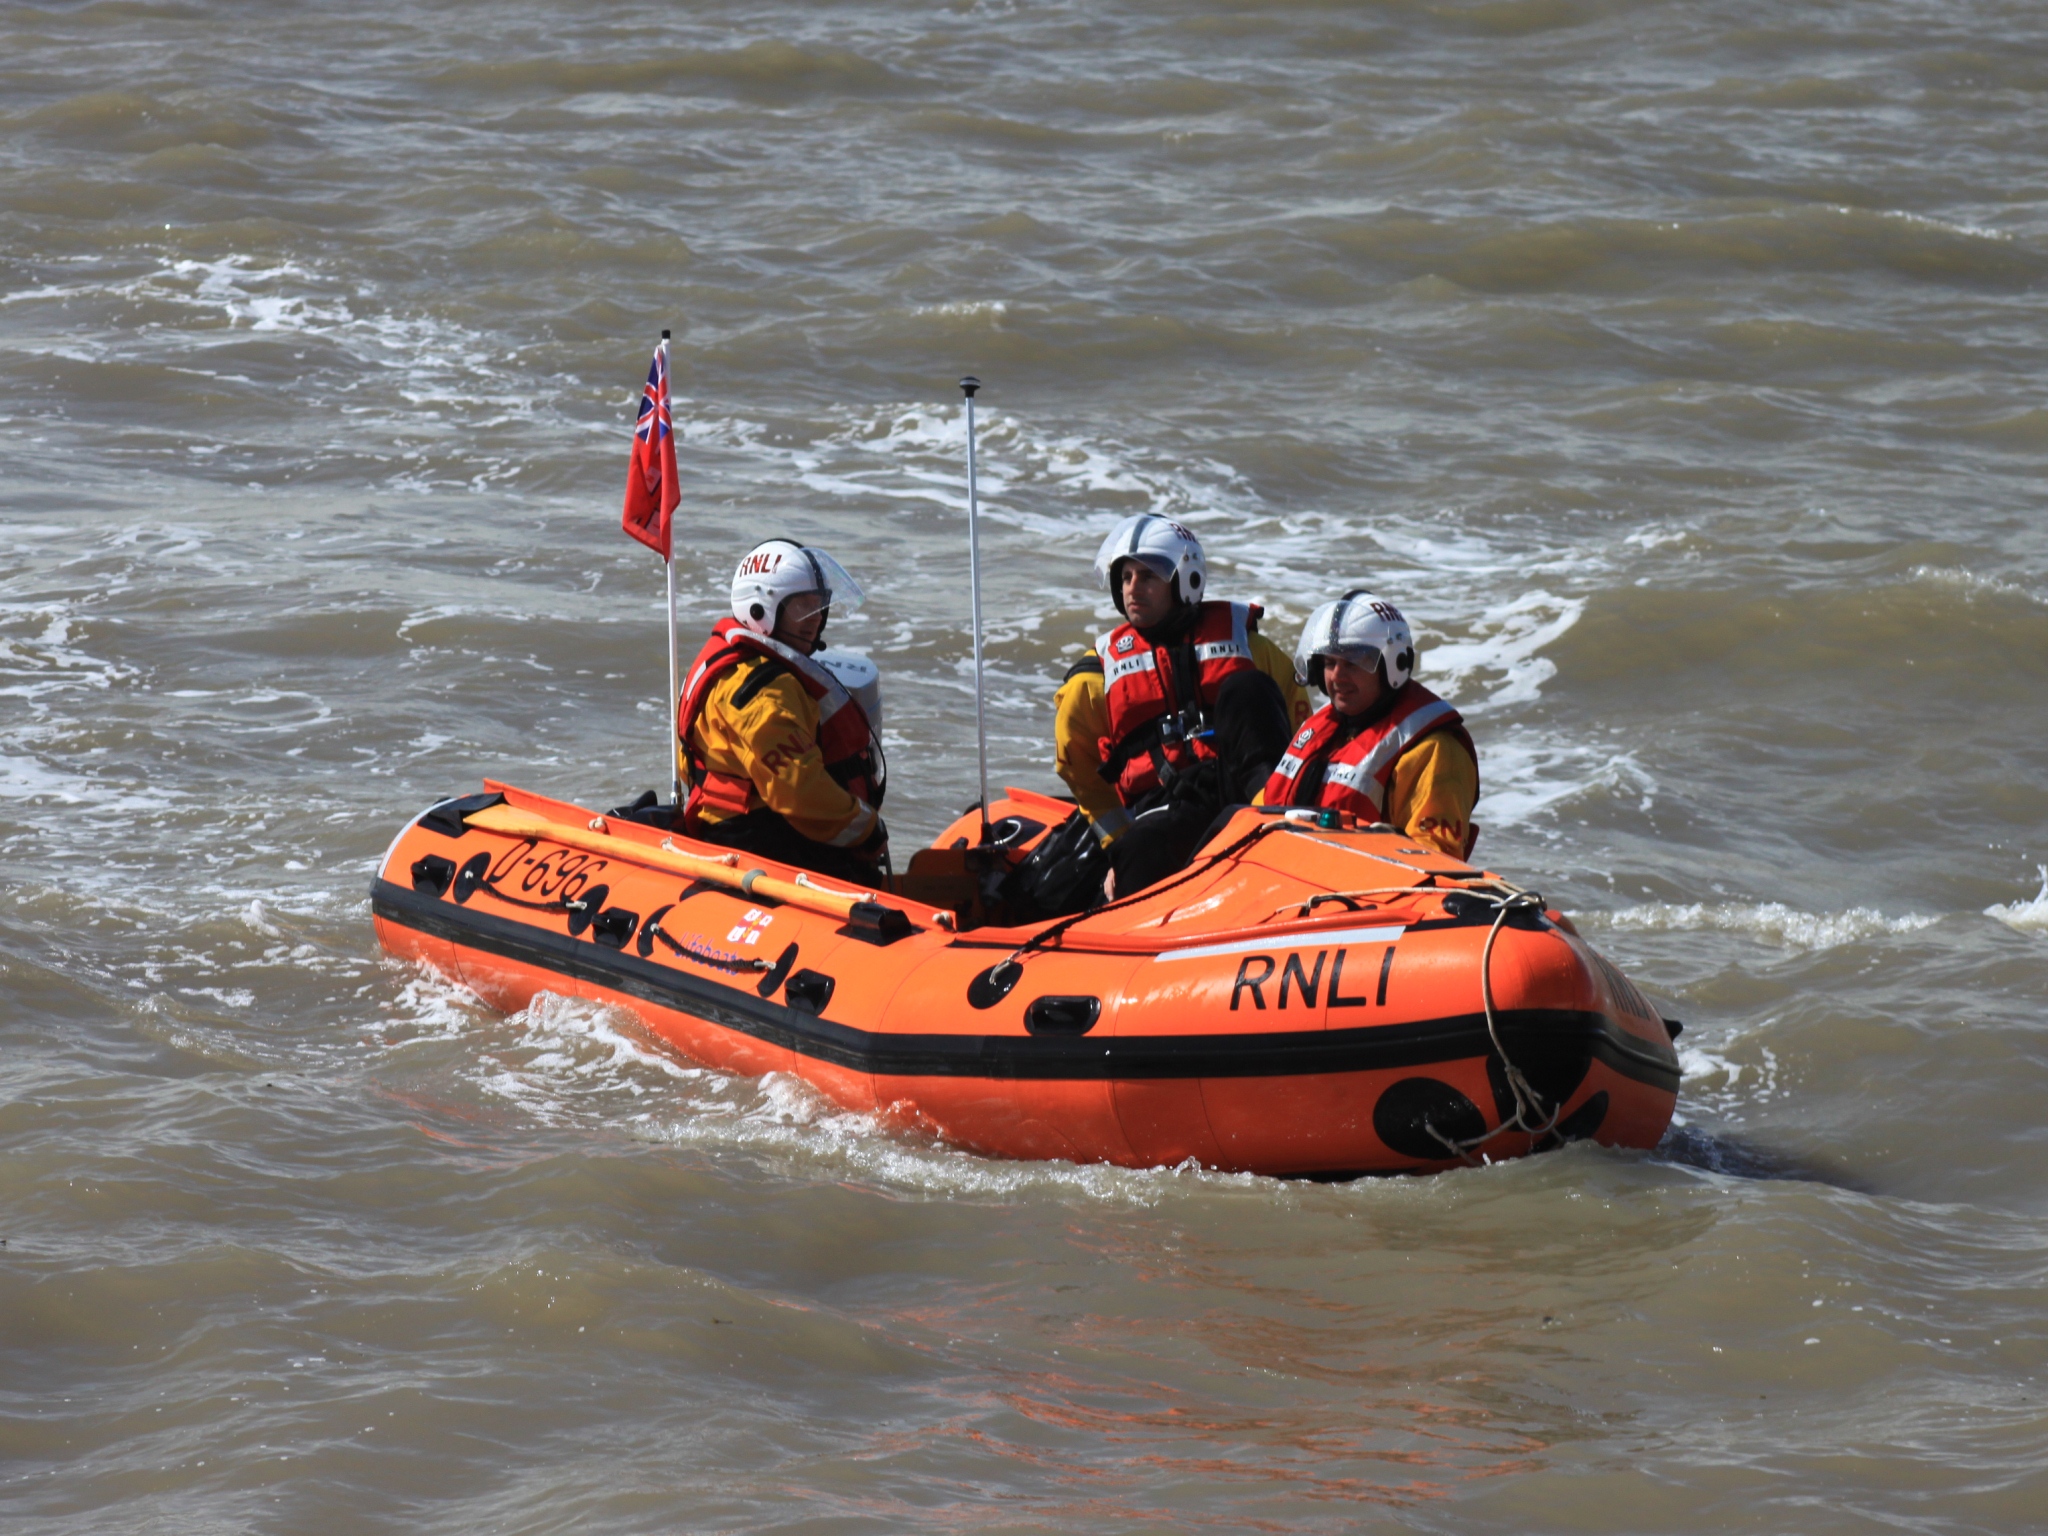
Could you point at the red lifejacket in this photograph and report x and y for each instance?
(1147, 728)
(845, 738)
(1357, 773)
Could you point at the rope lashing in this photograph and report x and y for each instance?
(1528, 1103)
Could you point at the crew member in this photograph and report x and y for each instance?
(1384, 748)
(778, 757)
(1177, 712)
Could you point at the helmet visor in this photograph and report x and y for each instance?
(833, 589)
(1308, 659)
(1158, 565)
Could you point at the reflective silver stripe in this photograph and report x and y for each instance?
(836, 697)
(1115, 671)
(1112, 821)
(1364, 775)
(1299, 939)
(858, 829)
(1358, 778)
(1240, 641)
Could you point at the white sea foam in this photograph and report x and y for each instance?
(1527, 773)
(1508, 639)
(40, 657)
(577, 1063)
(1712, 1075)
(428, 1006)
(568, 1051)
(423, 364)
(912, 454)
(1971, 583)
(2027, 916)
(1946, 226)
(966, 307)
(785, 1117)
(30, 779)
(1772, 922)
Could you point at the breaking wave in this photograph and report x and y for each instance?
(1772, 922)
(2026, 916)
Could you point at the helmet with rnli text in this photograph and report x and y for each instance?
(1162, 546)
(1358, 627)
(780, 570)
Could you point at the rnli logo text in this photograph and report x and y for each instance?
(784, 753)
(1298, 980)
(760, 565)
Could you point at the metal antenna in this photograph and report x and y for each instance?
(968, 386)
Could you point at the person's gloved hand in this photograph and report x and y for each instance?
(1201, 784)
(876, 846)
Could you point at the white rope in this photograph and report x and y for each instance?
(1528, 1103)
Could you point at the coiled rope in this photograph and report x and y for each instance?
(1528, 1103)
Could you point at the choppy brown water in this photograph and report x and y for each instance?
(1678, 367)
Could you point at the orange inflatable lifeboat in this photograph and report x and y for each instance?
(1309, 997)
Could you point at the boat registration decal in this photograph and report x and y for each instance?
(1285, 941)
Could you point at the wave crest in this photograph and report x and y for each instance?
(2026, 916)
(1773, 922)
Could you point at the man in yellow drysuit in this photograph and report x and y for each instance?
(777, 756)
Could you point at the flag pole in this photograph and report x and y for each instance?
(968, 386)
(675, 691)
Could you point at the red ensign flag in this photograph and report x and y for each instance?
(651, 489)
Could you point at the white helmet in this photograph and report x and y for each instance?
(1358, 627)
(1165, 548)
(774, 572)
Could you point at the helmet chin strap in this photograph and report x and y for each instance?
(817, 641)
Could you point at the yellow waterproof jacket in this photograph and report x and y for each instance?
(1435, 784)
(767, 734)
(1081, 719)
